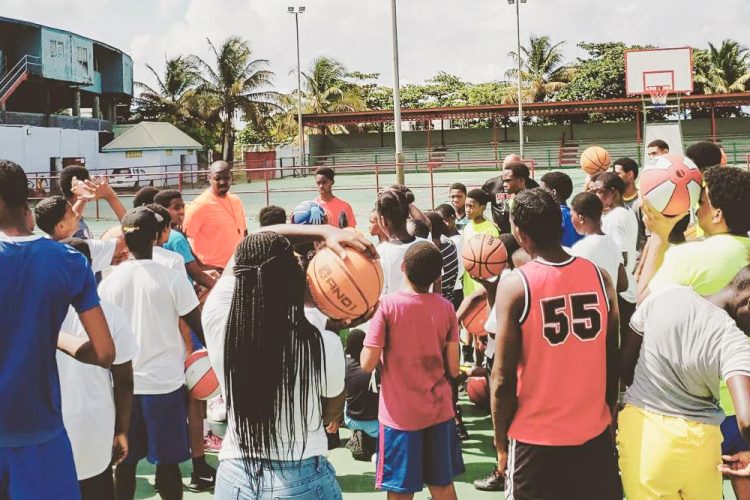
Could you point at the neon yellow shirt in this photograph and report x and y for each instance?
(472, 228)
(707, 266)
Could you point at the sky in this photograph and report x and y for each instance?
(469, 38)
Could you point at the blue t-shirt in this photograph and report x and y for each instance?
(569, 236)
(40, 280)
(178, 243)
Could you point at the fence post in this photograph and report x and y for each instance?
(734, 152)
(97, 208)
(377, 179)
(268, 195)
(458, 159)
(432, 187)
(549, 158)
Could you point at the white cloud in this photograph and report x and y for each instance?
(470, 38)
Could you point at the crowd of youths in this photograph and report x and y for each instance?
(616, 348)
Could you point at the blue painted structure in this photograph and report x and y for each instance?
(71, 71)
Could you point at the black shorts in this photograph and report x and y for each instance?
(584, 472)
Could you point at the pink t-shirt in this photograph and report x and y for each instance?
(340, 213)
(413, 330)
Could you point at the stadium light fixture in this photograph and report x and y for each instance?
(518, 60)
(297, 11)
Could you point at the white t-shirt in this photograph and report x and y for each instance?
(153, 298)
(490, 326)
(622, 225)
(88, 404)
(602, 250)
(391, 260)
(102, 252)
(168, 258)
(215, 313)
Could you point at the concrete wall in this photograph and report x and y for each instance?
(32, 147)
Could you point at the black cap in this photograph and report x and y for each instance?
(140, 219)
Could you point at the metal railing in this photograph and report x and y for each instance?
(26, 65)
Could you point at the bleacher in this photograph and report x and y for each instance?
(546, 154)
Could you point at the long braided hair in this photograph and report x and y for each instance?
(271, 351)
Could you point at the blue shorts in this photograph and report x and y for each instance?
(733, 441)
(42, 471)
(407, 460)
(158, 428)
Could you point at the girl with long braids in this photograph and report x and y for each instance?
(280, 379)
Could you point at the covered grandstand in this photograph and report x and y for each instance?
(549, 146)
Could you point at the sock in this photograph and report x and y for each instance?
(199, 462)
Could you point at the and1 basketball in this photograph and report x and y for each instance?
(200, 377)
(476, 317)
(595, 159)
(671, 183)
(484, 256)
(344, 289)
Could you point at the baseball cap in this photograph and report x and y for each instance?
(140, 219)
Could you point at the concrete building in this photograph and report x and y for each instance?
(44, 70)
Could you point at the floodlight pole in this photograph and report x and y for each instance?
(518, 60)
(301, 128)
(397, 100)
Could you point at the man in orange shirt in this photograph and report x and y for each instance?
(339, 212)
(215, 221)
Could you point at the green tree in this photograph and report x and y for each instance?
(237, 85)
(722, 70)
(327, 90)
(542, 69)
(174, 99)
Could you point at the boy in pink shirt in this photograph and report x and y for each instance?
(414, 335)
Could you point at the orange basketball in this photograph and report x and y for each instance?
(595, 159)
(478, 391)
(476, 317)
(344, 289)
(484, 256)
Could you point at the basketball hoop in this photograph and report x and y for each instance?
(659, 95)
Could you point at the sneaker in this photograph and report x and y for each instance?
(202, 480)
(217, 409)
(212, 442)
(463, 434)
(494, 482)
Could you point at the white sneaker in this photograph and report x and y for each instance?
(217, 409)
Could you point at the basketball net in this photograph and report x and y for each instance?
(659, 96)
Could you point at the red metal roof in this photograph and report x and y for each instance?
(620, 105)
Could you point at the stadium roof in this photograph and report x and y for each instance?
(152, 136)
(621, 105)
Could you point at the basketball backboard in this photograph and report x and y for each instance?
(652, 70)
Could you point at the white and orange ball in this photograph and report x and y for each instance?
(200, 377)
(671, 183)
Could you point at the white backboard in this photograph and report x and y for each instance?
(670, 132)
(669, 69)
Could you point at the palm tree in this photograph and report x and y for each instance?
(174, 94)
(541, 68)
(236, 84)
(722, 70)
(327, 91)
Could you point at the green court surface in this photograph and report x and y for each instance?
(357, 479)
(359, 190)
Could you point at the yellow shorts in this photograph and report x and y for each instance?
(668, 457)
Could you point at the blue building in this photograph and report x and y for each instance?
(44, 70)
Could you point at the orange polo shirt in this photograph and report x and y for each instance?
(215, 226)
